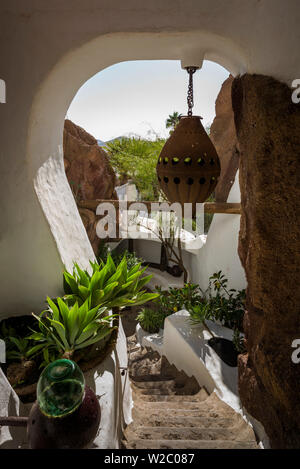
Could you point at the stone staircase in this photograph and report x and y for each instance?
(171, 411)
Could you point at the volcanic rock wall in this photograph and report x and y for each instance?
(223, 136)
(89, 173)
(268, 130)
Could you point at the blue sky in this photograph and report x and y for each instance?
(137, 97)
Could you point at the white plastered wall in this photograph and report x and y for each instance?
(220, 249)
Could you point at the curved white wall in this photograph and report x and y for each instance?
(220, 249)
(47, 52)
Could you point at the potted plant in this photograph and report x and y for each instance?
(83, 325)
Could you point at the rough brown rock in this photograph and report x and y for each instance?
(268, 130)
(87, 166)
(89, 220)
(223, 136)
(89, 173)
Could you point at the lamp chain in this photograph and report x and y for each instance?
(190, 93)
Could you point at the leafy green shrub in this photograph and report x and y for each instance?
(18, 348)
(176, 299)
(217, 303)
(151, 320)
(135, 158)
(221, 304)
(68, 329)
(131, 257)
(6, 331)
(168, 302)
(108, 285)
(226, 305)
(22, 349)
(199, 313)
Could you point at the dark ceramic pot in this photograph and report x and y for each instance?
(75, 431)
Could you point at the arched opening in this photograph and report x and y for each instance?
(127, 101)
(45, 130)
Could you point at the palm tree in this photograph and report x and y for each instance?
(173, 120)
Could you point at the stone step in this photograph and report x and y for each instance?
(165, 405)
(179, 422)
(139, 379)
(189, 444)
(163, 410)
(155, 397)
(154, 392)
(153, 388)
(138, 413)
(203, 407)
(189, 433)
(154, 384)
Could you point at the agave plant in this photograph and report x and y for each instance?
(67, 329)
(108, 285)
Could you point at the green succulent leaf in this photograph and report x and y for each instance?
(71, 283)
(83, 276)
(33, 350)
(54, 308)
(61, 331)
(100, 335)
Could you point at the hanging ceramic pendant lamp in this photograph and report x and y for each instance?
(188, 167)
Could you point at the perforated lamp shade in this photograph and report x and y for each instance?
(188, 167)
